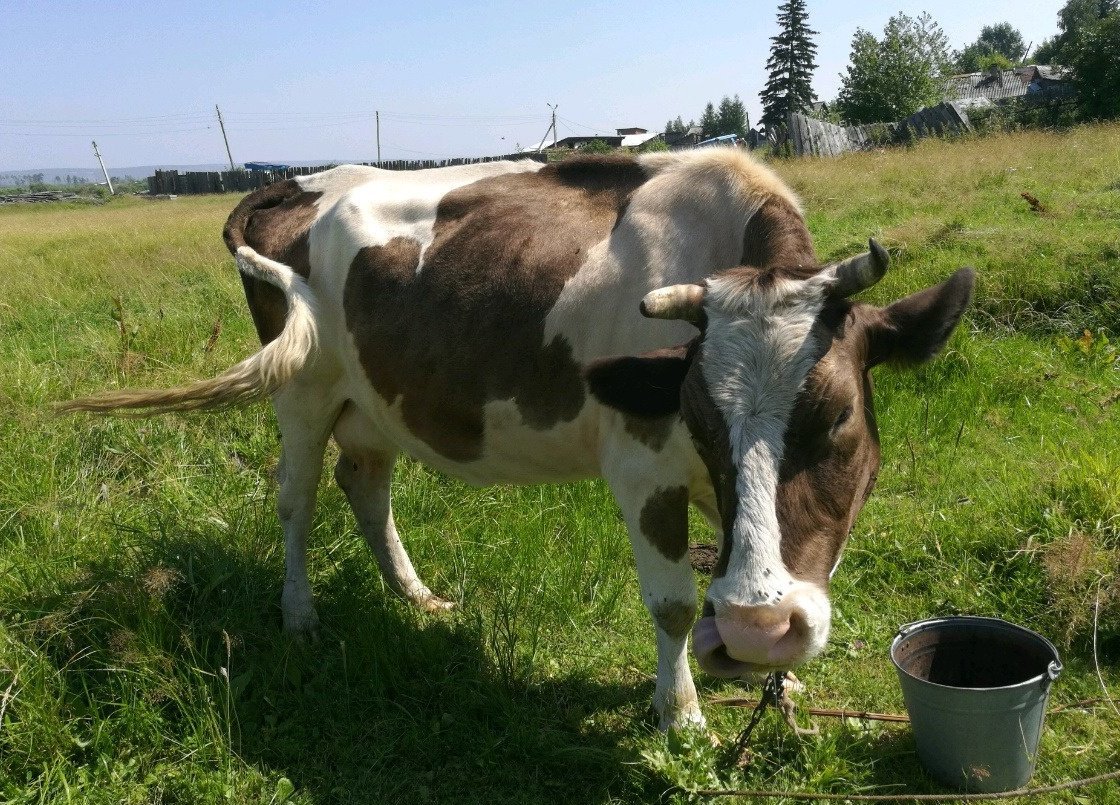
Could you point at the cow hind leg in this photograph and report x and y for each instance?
(364, 471)
(304, 416)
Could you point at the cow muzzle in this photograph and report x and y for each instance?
(740, 639)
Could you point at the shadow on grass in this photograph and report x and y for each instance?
(388, 706)
(866, 758)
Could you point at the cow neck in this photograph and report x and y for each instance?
(775, 234)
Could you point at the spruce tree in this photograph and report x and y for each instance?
(732, 117)
(709, 121)
(791, 65)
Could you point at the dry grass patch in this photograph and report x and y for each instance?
(1081, 575)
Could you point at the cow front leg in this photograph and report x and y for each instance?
(657, 519)
(364, 472)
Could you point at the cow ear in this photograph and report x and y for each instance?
(647, 385)
(914, 329)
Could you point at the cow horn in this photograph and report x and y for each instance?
(675, 302)
(860, 272)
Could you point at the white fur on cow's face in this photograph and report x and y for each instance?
(758, 348)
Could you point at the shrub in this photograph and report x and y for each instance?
(1096, 69)
(597, 146)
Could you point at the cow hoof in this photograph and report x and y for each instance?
(298, 605)
(302, 624)
(433, 603)
(678, 712)
(424, 599)
(689, 718)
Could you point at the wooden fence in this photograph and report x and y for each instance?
(807, 136)
(194, 182)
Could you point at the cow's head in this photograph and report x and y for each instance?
(776, 395)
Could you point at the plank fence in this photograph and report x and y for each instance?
(172, 182)
(807, 136)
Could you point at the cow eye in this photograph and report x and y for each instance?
(845, 415)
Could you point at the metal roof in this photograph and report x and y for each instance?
(632, 140)
(998, 84)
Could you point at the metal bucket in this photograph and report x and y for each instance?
(976, 691)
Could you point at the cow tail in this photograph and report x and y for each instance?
(255, 377)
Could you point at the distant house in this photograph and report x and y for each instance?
(688, 139)
(622, 138)
(582, 140)
(995, 85)
(633, 137)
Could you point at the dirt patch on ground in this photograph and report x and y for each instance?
(703, 557)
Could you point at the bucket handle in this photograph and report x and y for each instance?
(1054, 669)
(906, 628)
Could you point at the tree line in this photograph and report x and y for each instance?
(40, 179)
(891, 75)
(729, 118)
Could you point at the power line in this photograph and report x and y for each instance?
(423, 153)
(101, 126)
(249, 123)
(318, 118)
(153, 120)
(595, 129)
(99, 134)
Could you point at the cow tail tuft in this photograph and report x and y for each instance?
(253, 378)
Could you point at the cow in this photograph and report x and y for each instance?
(662, 322)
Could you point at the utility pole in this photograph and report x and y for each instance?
(552, 128)
(108, 181)
(377, 117)
(224, 137)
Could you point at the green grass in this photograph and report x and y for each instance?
(141, 658)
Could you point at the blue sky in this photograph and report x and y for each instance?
(301, 80)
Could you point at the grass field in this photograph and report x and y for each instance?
(141, 657)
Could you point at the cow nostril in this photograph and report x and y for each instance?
(799, 623)
(708, 610)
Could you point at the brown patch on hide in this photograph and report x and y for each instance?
(275, 221)
(675, 617)
(646, 386)
(467, 328)
(664, 521)
(653, 432)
